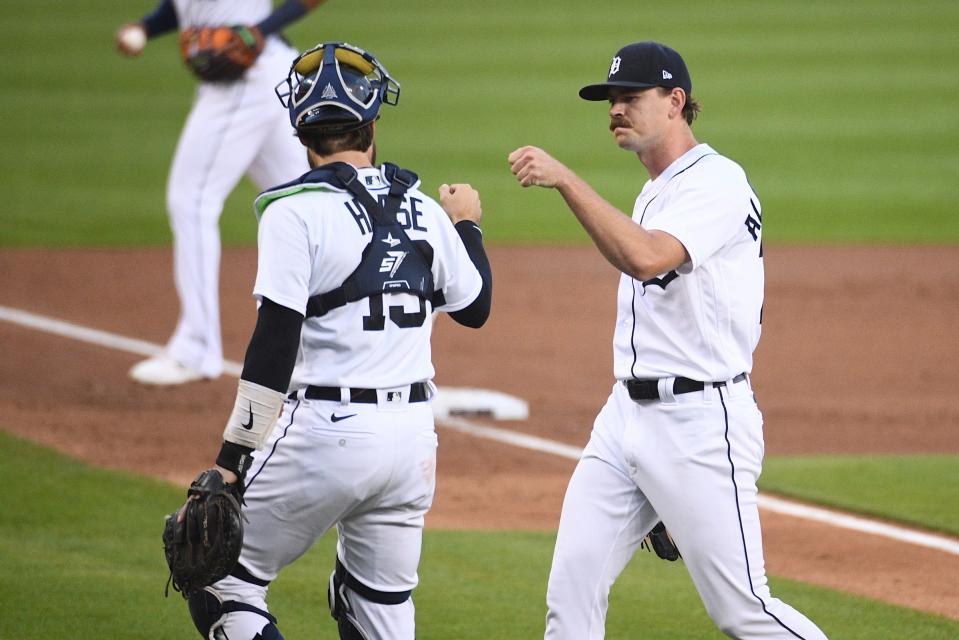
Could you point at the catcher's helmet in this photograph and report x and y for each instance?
(336, 87)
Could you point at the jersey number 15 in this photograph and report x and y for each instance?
(376, 321)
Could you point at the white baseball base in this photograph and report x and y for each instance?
(466, 401)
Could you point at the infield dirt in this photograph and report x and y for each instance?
(858, 355)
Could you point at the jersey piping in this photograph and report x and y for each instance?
(632, 305)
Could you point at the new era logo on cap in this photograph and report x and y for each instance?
(642, 65)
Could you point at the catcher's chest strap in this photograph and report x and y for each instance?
(400, 181)
(391, 262)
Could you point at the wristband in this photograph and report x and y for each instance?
(236, 458)
(254, 414)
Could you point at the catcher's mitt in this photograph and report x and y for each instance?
(220, 54)
(204, 545)
(661, 542)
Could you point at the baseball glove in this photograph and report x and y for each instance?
(220, 54)
(203, 546)
(661, 542)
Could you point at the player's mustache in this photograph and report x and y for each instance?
(618, 122)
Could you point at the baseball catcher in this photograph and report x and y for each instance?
(349, 440)
(202, 539)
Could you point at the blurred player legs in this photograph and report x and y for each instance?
(232, 129)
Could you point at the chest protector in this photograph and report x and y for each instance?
(391, 262)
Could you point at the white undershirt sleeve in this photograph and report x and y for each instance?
(285, 260)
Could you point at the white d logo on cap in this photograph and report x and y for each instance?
(614, 67)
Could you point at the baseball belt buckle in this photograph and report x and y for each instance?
(393, 398)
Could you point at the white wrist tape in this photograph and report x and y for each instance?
(254, 414)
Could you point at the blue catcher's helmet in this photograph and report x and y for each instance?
(336, 87)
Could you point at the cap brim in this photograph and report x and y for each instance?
(601, 91)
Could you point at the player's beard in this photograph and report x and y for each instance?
(373, 154)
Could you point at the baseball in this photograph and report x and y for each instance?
(132, 39)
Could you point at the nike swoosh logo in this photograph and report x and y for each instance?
(249, 425)
(336, 418)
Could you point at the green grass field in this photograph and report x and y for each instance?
(843, 114)
(82, 559)
(922, 491)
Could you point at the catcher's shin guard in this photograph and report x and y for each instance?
(341, 610)
(341, 582)
(208, 611)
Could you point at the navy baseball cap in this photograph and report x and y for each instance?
(641, 65)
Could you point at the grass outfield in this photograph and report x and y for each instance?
(911, 489)
(82, 558)
(843, 114)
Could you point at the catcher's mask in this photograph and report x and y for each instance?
(336, 87)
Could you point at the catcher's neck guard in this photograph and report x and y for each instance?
(336, 87)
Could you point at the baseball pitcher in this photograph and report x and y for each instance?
(236, 50)
(332, 423)
(674, 455)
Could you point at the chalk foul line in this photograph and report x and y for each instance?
(499, 434)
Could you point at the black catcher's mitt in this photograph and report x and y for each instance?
(220, 54)
(661, 542)
(204, 546)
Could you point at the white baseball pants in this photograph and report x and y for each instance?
(692, 461)
(233, 129)
(372, 475)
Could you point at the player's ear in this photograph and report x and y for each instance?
(677, 98)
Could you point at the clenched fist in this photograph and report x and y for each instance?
(534, 167)
(461, 202)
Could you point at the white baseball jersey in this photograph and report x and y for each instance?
(311, 241)
(216, 13)
(701, 321)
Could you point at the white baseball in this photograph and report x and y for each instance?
(134, 39)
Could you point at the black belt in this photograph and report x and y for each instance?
(649, 389)
(419, 392)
